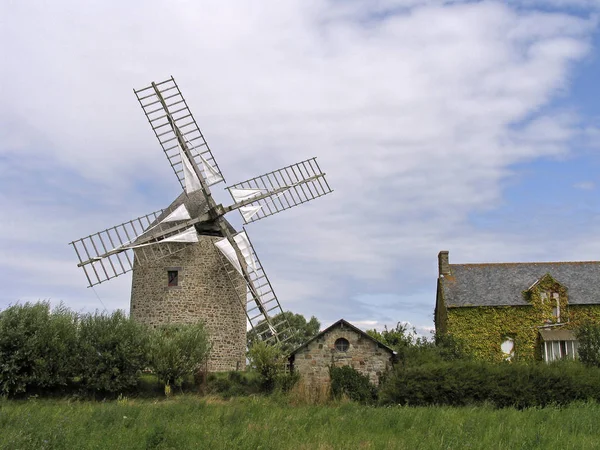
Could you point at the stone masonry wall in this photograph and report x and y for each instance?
(364, 355)
(204, 293)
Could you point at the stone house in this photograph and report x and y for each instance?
(502, 311)
(341, 344)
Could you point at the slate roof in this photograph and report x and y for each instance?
(503, 284)
(343, 323)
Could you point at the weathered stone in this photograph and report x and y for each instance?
(204, 293)
(364, 354)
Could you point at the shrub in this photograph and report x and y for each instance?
(463, 383)
(36, 347)
(589, 344)
(112, 350)
(232, 384)
(347, 381)
(285, 381)
(268, 362)
(177, 351)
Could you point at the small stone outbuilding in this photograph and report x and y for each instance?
(341, 344)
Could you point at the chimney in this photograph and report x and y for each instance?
(443, 263)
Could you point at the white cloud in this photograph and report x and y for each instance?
(585, 185)
(416, 110)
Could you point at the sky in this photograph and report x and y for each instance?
(472, 127)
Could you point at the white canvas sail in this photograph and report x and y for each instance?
(239, 195)
(249, 211)
(245, 249)
(211, 174)
(179, 213)
(192, 183)
(189, 235)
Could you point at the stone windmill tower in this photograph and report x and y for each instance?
(188, 262)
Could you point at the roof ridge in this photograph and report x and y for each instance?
(524, 263)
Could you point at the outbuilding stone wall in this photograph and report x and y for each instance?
(364, 355)
(204, 293)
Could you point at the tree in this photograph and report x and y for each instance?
(412, 349)
(398, 339)
(268, 361)
(300, 331)
(36, 347)
(177, 351)
(112, 351)
(588, 336)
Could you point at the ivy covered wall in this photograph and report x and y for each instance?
(482, 329)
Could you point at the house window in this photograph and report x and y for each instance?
(342, 345)
(172, 278)
(556, 307)
(555, 350)
(508, 348)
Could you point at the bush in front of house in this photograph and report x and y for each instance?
(232, 384)
(588, 336)
(268, 362)
(36, 347)
(462, 383)
(177, 351)
(112, 351)
(347, 381)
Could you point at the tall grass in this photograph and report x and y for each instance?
(252, 423)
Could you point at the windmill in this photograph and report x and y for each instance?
(188, 262)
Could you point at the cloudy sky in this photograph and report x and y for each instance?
(472, 127)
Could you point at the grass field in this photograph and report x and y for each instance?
(189, 422)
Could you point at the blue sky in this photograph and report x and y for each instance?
(472, 127)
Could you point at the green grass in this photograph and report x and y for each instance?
(187, 422)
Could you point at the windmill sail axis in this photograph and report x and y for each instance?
(188, 262)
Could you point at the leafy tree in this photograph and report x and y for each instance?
(177, 351)
(397, 338)
(300, 331)
(112, 351)
(412, 349)
(588, 335)
(268, 361)
(36, 347)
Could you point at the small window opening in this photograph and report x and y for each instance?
(342, 345)
(173, 278)
(508, 348)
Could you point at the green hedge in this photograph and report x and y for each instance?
(463, 383)
(112, 351)
(36, 347)
(347, 381)
(44, 351)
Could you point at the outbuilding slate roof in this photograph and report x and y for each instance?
(503, 284)
(342, 323)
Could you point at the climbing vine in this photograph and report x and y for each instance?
(483, 329)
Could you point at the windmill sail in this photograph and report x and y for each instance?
(276, 191)
(108, 253)
(254, 289)
(174, 126)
